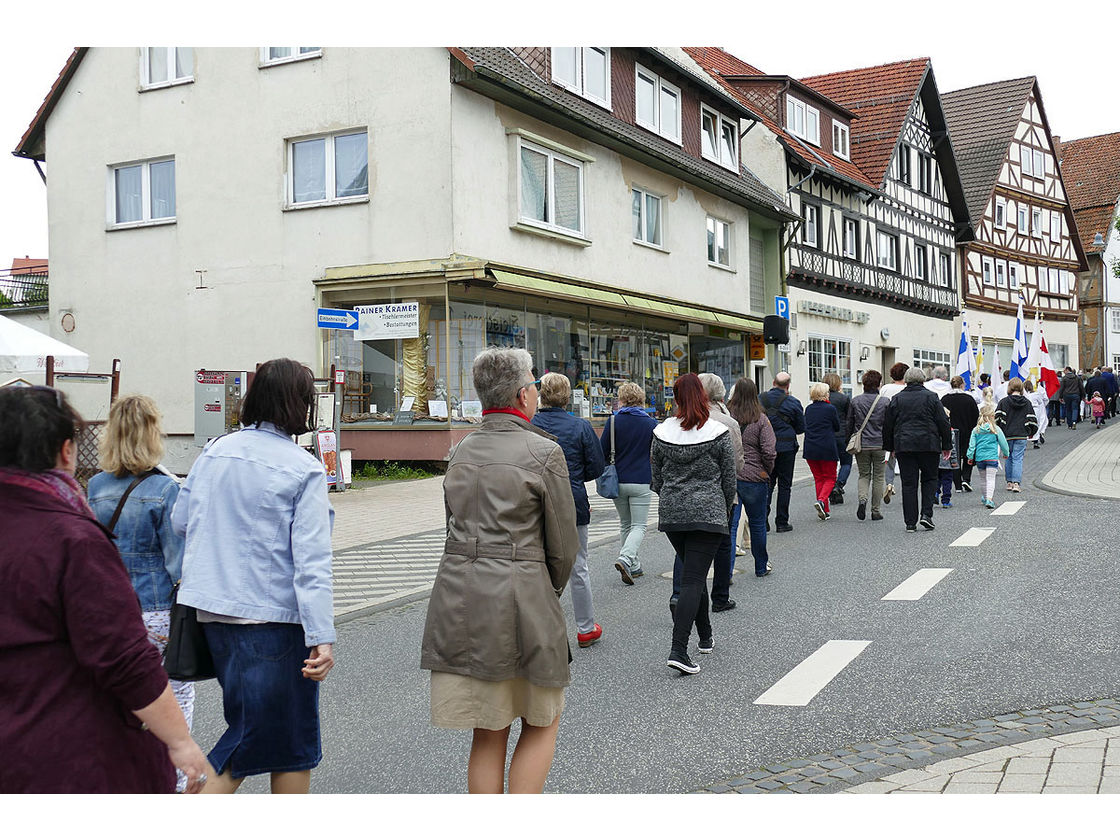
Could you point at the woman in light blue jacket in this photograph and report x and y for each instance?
(131, 448)
(257, 567)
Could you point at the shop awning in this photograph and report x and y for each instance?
(623, 300)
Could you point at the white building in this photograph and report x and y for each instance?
(586, 203)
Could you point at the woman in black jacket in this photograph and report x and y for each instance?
(964, 414)
(916, 430)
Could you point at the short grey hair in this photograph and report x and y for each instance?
(499, 373)
(914, 374)
(940, 372)
(713, 387)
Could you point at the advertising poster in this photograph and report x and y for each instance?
(388, 320)
(326, 447)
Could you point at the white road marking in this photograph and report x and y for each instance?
(805, 681)
(1008, 509)
(917, 585)
(972, 537)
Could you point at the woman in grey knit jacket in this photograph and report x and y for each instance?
(693, 465)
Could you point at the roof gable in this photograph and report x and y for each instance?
(31, 145)
(1091, 174)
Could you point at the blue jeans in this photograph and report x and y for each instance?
(1073, 410)
(845, 467)
(734, 531)
(1015, 459)
(754, 495)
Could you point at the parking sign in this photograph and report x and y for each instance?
(781, 306)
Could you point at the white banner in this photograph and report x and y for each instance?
(388, 320)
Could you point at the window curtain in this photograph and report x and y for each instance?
(637, 212)
(565, 178)
(534, 185)
(163, 189)
(184, 62)
(653, 219)
(128, 194)
(309, 168)
(351, 165)
(157, 65)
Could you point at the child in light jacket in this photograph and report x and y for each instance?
(987, 444)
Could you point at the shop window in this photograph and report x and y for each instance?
(831, 355)
(927, 360)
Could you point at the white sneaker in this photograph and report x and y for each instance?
(740, 551)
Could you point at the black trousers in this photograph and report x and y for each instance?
(964, 471)
(697, 550)
(918, 468)
(782, 476)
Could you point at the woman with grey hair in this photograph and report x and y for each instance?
(916, 430)
(494, 638)
(585, 463)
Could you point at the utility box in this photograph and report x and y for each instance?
(217, 403)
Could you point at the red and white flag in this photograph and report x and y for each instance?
(1039, 357)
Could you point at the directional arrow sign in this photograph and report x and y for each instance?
(338, 319)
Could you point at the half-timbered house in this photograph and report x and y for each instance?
(1026, 244)
(1091, 171)
(871, 173)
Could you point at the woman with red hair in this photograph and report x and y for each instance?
(693, 464)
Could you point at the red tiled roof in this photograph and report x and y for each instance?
(882, 97)
(1091, 174)
(719, 63)
(27, 265)
(31, 144)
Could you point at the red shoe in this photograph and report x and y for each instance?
(588, 639)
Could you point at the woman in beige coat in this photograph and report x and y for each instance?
(495, 639)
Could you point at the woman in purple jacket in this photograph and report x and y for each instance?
(85, 706)
(753, 473)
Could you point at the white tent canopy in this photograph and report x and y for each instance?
(24, 350)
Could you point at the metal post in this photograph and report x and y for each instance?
(341, 485)
(50, 371)
(115, 388)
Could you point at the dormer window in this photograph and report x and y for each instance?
(841, 140)
(657, 104)
(584, 70)
(719, 138)
(803, 120)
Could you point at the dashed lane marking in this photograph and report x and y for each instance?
(1008, 509)
(917, 585)
(805, 681)
(972, 537)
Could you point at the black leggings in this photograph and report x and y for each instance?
(697, 549)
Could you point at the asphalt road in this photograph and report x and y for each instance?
(1024, 619)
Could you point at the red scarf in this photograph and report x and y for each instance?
(57, 483)
(506, 411)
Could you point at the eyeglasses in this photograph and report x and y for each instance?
(536, 383)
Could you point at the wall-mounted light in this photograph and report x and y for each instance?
(1098, 241)
(865, 353)
(802, 347)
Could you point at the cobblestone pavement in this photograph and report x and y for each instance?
(1067, 748)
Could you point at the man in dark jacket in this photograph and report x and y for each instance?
(964, 414)
(584, 457)
(917, 430)
(1113, 390)
(1071, 392)
(787, 417)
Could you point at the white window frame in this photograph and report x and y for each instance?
(172, 79)
(890, 240)
(579, 85)
(642, 207)
(803, 120)
(1025, 160)
(297, 55)
(907, 170)
(921, 262)
(987, 271)
(1012, 276)
(1039, 164)
(1063, 281)
(146, 219)
(853, 225)
(925, 174)
(1023, 219)
(1001, 275)
(816, 351)
(553, 155)
(810, 210)
(720, 122)
(843, 134)
(717, 222)
(1115, 320)
(660, 88)
(1001, 213)
(329, 164)
(1036, 222)
(1055, 226)
(944, 269)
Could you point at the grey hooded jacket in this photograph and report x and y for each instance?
(694, 476)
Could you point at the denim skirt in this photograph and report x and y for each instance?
(271, 709)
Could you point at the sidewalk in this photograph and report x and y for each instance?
(1093, 468)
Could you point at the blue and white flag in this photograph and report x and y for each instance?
(1019, 351)
(964, 356)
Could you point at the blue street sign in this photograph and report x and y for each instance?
(781, 306)
(338, 319)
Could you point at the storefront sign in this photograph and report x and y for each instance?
(758, 347)
(669, 372)
(827, 310)
(389, 320)
(326, 447)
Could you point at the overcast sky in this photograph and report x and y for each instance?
(969, 42)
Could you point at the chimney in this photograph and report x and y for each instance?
(1057, 138)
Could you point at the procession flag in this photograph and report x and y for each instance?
(964, 356)
(1046, 373)
(979, 356)
(1035, 350)
(1019, 350)
(997, 368)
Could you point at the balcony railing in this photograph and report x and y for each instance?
(857, 277)
(23, 289)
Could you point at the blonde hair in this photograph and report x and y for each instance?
(818, 392)
(987, 411)
(832, 380)
(630, 393)
(555, 390)
(133, 440)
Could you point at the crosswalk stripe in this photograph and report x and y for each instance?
(917, 585)
(805, 681)
(972, 538)
(1008, 509)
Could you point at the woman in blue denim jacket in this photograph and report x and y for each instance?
(257, 568)
(152, 552)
